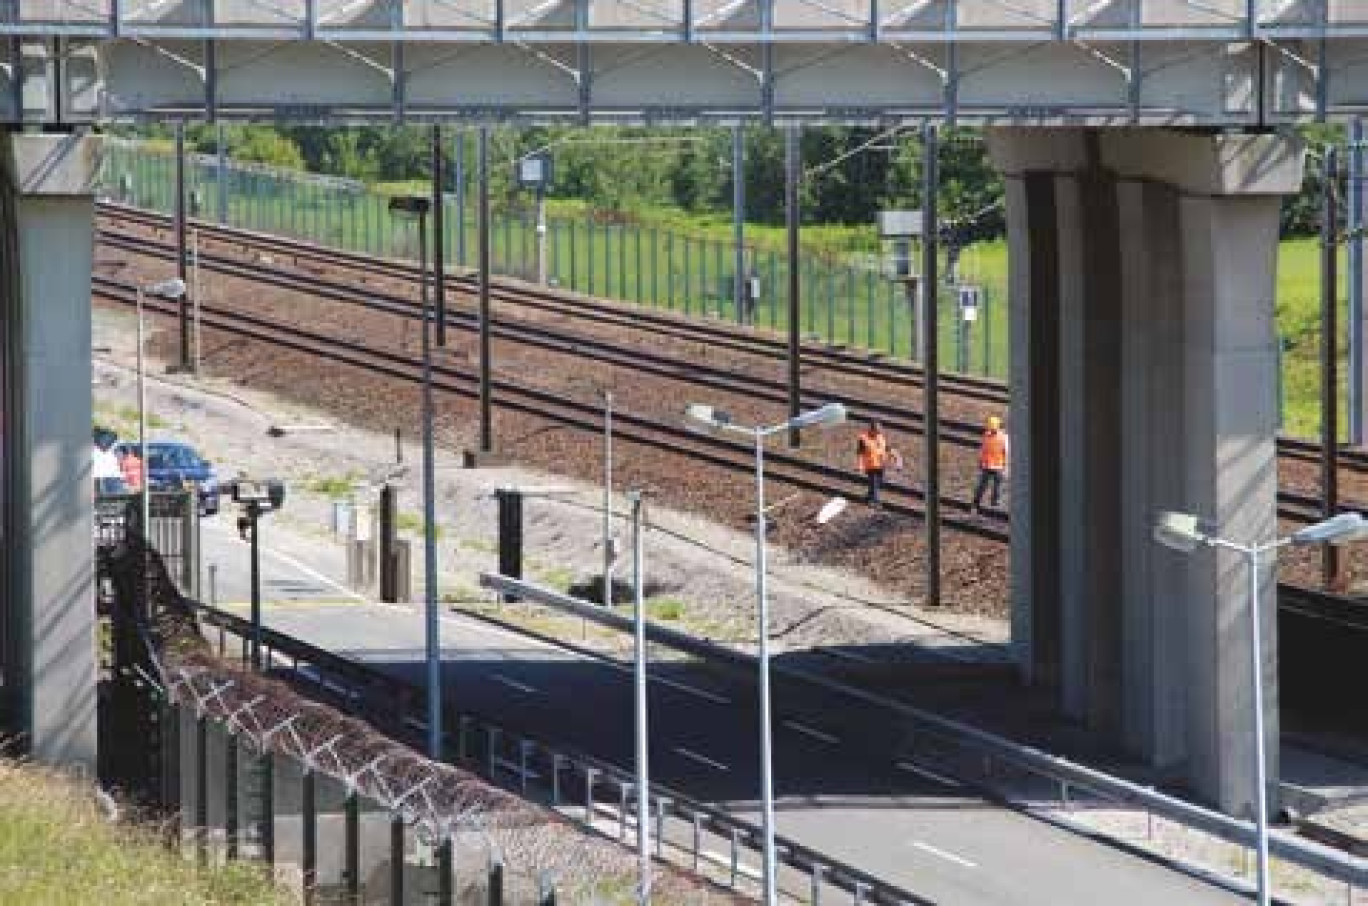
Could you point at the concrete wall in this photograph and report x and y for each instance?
(1142, 278)
(50, 656)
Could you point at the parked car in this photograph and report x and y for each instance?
(172, 465)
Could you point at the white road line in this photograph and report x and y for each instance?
(512, 683)
(309, 571)
(701, 759)
(949, 857)
(846, 655)
(927, 773)
(809, 731)
(725, 861)
(684, 687)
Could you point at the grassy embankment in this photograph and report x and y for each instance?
(58, 848)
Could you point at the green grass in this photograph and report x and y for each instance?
(56, 847)
(336, 487)
(669, 610)
(412, 523)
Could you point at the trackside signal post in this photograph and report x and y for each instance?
(534, 171)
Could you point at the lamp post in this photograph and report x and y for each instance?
(827, 416)
(639, 699)
(416, 206)
(173, 289)
(1183, 532)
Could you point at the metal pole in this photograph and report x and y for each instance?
(254, 521)
(184, 307)
(791, 165)
(433, 622)
(460, 198)
(607, 498)
(221, 174)
(930, 366)
(1260, 769)
(762, 618)
(739, 221)
(438, 235)
(643, 779)
(1358, 362)
(541, 235)
(143, 492)
(486, 427)
(1329, 370)
(195, 294)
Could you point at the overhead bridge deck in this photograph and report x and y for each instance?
(1214, 62)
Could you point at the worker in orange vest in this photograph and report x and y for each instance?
(992, 462)
(873, 454)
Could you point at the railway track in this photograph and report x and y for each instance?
(719, 451)
(956, 432)
(833, 360)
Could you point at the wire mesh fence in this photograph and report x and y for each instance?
(846, 300)
(252, 766)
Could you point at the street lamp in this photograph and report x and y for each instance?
(1183, 532)
(416, 207)
(172, 289)
(825, 417)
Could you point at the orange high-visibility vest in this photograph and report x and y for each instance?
(873, 451)
(993, 452)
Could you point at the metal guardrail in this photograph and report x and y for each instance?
(1323, 860)
(401, 705)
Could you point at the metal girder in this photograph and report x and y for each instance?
(1198, 62)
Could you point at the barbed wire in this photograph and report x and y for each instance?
(439, 800)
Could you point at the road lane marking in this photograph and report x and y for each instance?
(684, 687)
(306, 570)
(701, 759)
(927, 773)
(841, 654)
(512, 683)
(725, 861)
(949, 857)
(809, 731)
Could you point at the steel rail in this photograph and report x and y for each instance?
(958, 432)
(789, 469)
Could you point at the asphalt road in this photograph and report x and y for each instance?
(841, 784)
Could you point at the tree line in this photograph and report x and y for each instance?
(849, 173)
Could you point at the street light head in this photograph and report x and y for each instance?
(409, 205)
(1339, 529)
(707, 415)
(825, 417)
(1178, 531)
(167, 289)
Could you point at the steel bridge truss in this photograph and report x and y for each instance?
(1194, 62)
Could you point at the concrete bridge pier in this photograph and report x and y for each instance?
(48, 610)
(1143, 379)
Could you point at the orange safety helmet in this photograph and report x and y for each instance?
(994, 423)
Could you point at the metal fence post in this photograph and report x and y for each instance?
(266, 801)
(589, 796)
(815, 897)
(444, 867)
(396, 860)
(309, 833)
(230, 795)
(589, 233)
(202, 789)
(495, 883)
(636, 241)
(352, 846)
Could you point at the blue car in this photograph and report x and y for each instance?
(172, 465)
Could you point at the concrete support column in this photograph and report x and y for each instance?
(1143, 356)
(46, 240)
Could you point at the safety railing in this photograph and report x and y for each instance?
(684, 828)
(1017, 773)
